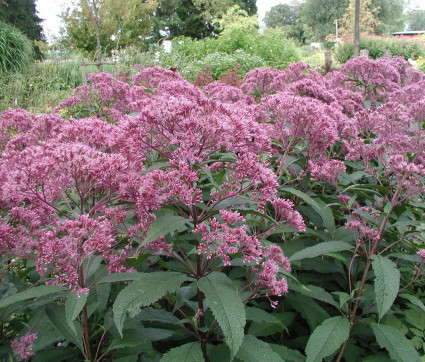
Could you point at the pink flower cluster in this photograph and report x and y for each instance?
(90, 185)
(22, 347)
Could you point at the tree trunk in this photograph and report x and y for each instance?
(357, 29)
(98, 46)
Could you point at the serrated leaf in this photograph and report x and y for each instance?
(387, 283)
(264, 324)
(226, 306)
(189, 352)
(73, 306)
(320, 249)
(255, 350)
(35, 292)
(398, 346)
(164, 225)
(327, 338)
(147, 289)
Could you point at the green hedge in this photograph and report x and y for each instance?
(407, 48)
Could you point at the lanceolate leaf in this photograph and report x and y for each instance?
(399, 347)
(35, 292)
(320, 249)
(73, 306)
(163, 225)
(226, 306)
(327, 338)
(414, 300)
(190, 352)
(144, 291)
(255, 350)
(387, 283)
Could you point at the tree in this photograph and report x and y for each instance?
(320, 16)
(22, 14)
(416, 20)
(368, 20)
(193, 18)
(121, 23)
(281, 15)
(288, 17)
(390, 13)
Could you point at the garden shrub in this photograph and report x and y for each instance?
(219, 63)
(161, 221)
(16, 50)
(403, 47)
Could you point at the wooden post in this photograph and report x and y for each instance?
(364, 53)
(84, 72)
(387, 53)
(328, 61)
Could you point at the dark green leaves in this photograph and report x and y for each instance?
(320, 249)
(190, 352)
(387, 282)
(35, 292)
(327, 338)
(395, 343)
(163, 225)
(144, 291)
(226, 306)
(255, 350)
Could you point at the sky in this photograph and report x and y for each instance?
(49, 10)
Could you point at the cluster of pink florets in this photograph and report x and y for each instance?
(23, 347)
(70, 186)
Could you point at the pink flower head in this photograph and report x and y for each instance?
(421, 253)
(22, 347)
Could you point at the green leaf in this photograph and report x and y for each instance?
(255, 350)
(73, 306)
(150, 314)
(398, 346)
(164, 225)
(320, 249)
(412, 299)
(316, 293)
(311, 311)
(147, 289)
(226, 306)
(57, 316)
(327, 338)
(264, 324)
(189, 352)
(324, 212)
(387, 283)
(120, 277)
(35, 292)
(289, 355)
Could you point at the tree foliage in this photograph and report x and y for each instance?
(122, 23)
(22, 14)
(288, 17)
(416, 20)
(320, 16)
(368, 19)
(193, 18)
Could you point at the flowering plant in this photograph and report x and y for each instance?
(166, 222)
